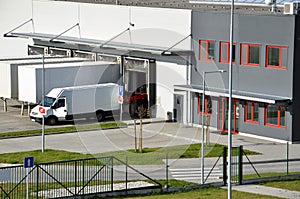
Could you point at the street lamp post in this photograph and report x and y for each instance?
(229, 188)
(43, 102)
(203, 109)
(43, 97)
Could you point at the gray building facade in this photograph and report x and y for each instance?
(264, 73)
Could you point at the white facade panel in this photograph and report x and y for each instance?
(152, 26)
(103, 22)
(161, 26)
(56, 17)
(12, 14)
(176, 74)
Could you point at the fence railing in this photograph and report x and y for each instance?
(70, 178)
(258, 167)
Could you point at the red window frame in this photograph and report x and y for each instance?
(281, 66)
(205, 105)
(278, 125)
(251, 120)
(203, 57)
(246, 63)
(223, 61)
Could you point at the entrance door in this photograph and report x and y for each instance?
(178, 107)
(223, 115)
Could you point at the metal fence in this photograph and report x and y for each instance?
(277, 161)
(70, 178)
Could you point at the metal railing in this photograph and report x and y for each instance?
(255, 168)
(69, 178)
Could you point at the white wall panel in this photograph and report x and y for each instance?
(12, 14)
(55, 17)
(168, 75)
(152, 26)
(103, 21)
(161, 26)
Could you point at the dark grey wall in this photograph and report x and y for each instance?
(264, 30)
(256, 29)
(263, 130)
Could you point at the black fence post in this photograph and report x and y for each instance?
(287, 158)
(37, 181)
(83, 175)
(112, 174)
(75, 176)
(224, 166)
(240, 165)
(126, 174)
(167, 171)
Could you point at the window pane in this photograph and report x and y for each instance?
(203, 48)
(272, 115)
(249, 108)
(233, 53)
(282, 116)
(273, 56)
(208, 104)
(255, 117)
(253, 54)
(284, 57)
(200, 103)
(224, 52)
(211, 50)
(244, 54)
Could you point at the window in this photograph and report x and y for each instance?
(207, 50)
(276, 57)
(250, 54)
(251, 112)
(207, 107)
(275, 116)
(225, 52)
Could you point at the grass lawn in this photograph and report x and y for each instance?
(149, 155)
(264, 175)
(47, 156)
(104, 125)
(156, 155)
(289, 184)
(205, 193)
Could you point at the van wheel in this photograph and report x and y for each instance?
(100, 115)
(52, 120)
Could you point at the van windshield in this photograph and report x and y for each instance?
(48, 101)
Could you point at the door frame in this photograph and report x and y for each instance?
(221, 115)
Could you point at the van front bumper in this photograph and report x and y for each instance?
(35, 119)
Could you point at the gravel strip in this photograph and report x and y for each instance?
(52, 193)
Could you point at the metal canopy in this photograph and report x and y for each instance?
(241, 2)
(98, 43)
(243, 95)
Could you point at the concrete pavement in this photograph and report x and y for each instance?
(159, 134)
(270, 191)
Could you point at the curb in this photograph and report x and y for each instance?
(57, 133)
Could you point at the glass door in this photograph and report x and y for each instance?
(223, 115)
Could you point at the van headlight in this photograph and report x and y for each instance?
(34, 113)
